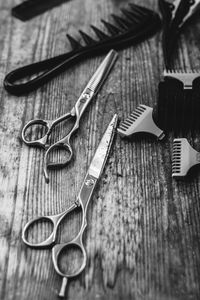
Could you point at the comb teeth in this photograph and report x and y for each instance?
(100, 34)
(132, 20)
(87, 39)
(186, 78)
(130, 16)
(140, 120)
(183, 158)
(124, 25)
(73, 42)
(111, 28)
(136, 9)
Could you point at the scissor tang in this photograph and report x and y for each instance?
(77, 111)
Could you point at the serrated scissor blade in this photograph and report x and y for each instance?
(101, 73)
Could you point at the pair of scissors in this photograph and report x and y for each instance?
(76, 112)
(93, 174)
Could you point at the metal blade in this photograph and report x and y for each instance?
(102, 72)
(101, 154)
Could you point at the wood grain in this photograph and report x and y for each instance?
(143, 237)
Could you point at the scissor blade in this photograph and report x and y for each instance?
(101, 154)
(102, 72)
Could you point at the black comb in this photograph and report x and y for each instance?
(32, 8)
(136, 24)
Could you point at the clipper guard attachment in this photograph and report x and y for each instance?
(136, 24)
(178, 107)
(184, 157)
(187, 78)
(141, 120)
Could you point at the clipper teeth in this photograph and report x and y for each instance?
(171, 72)
(183, 158)
(176, 157)
(132, 118)
(186, 78)
(140, 121)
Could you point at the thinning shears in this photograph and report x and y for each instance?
(76, 112)
(58, 250)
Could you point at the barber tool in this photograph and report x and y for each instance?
(184, 157)
(186, 78)
(31, 8)
(137, 24)
(140, 120)
(170, 105)
(76, 112)
(60, 249)
(175, 14)
(178, 104)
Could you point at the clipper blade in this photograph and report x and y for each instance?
(141, 120)
(184, 157)
(186, 78)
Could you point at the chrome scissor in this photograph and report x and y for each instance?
(76, 112)
(82, 201)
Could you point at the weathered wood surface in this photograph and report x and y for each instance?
(143, 237)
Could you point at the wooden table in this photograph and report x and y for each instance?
(143, 237)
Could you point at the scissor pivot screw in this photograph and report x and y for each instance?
(89, 182)
(85, 97)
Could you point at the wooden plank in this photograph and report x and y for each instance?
(143, 238)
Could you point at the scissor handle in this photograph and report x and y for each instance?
(47, 242)
(48, 126)
(57, 252)
(54, 220)
(64, 143)
(41, 142)
(57, 165)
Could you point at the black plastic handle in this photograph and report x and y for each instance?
(39, 73)
(49, 68)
